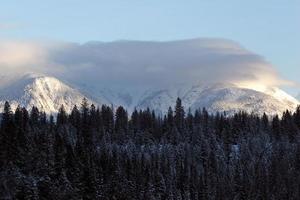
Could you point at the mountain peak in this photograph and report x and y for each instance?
(221, 97)
(45, 92)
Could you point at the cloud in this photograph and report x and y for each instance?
(137, 63)
(20, 56)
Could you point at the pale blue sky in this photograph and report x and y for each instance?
(270, 28)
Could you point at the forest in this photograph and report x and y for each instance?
(103, 153)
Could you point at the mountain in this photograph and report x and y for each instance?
(222, 97)
(298, 97)
(45, 92)
(231, 99)
(48, 94)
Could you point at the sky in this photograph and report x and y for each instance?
(270, 28)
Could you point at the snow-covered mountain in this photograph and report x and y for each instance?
(231, 98)
(46, 93)
(49, 93)
(227, 98)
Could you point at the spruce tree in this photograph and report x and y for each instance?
(85, 124)
(297, 117)
(179, 115)
(170, 117)
(134, 121)
(8, 149)
(276, 127)
(7, 118)
(75, 118)
(61, 116)
(265, 122)
(34, 117)
(108, 119)
(121, 123)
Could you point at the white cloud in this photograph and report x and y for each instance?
(130, 63)
(16, 54)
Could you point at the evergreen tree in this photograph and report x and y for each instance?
(179, 115)
(7, 118)
(93, 154)
(276, 127)
(135, 121)
(61, 116)
(288, 125)
(121, 123)
(108, 119)
(170, 117)
(75, 118)
(265, 122)
(8, 150)
(85, 125)
(297, 117)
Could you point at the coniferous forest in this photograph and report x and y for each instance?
(102, 153)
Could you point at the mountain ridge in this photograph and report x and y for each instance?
(49, 93)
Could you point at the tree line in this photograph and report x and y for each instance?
(103, 153)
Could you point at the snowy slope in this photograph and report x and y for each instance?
(227, 98)
(49, 93)
(108, 96)
(46, 93)
(231, 99)
(159, 101)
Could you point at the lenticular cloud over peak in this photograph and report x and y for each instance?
(142, 63)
